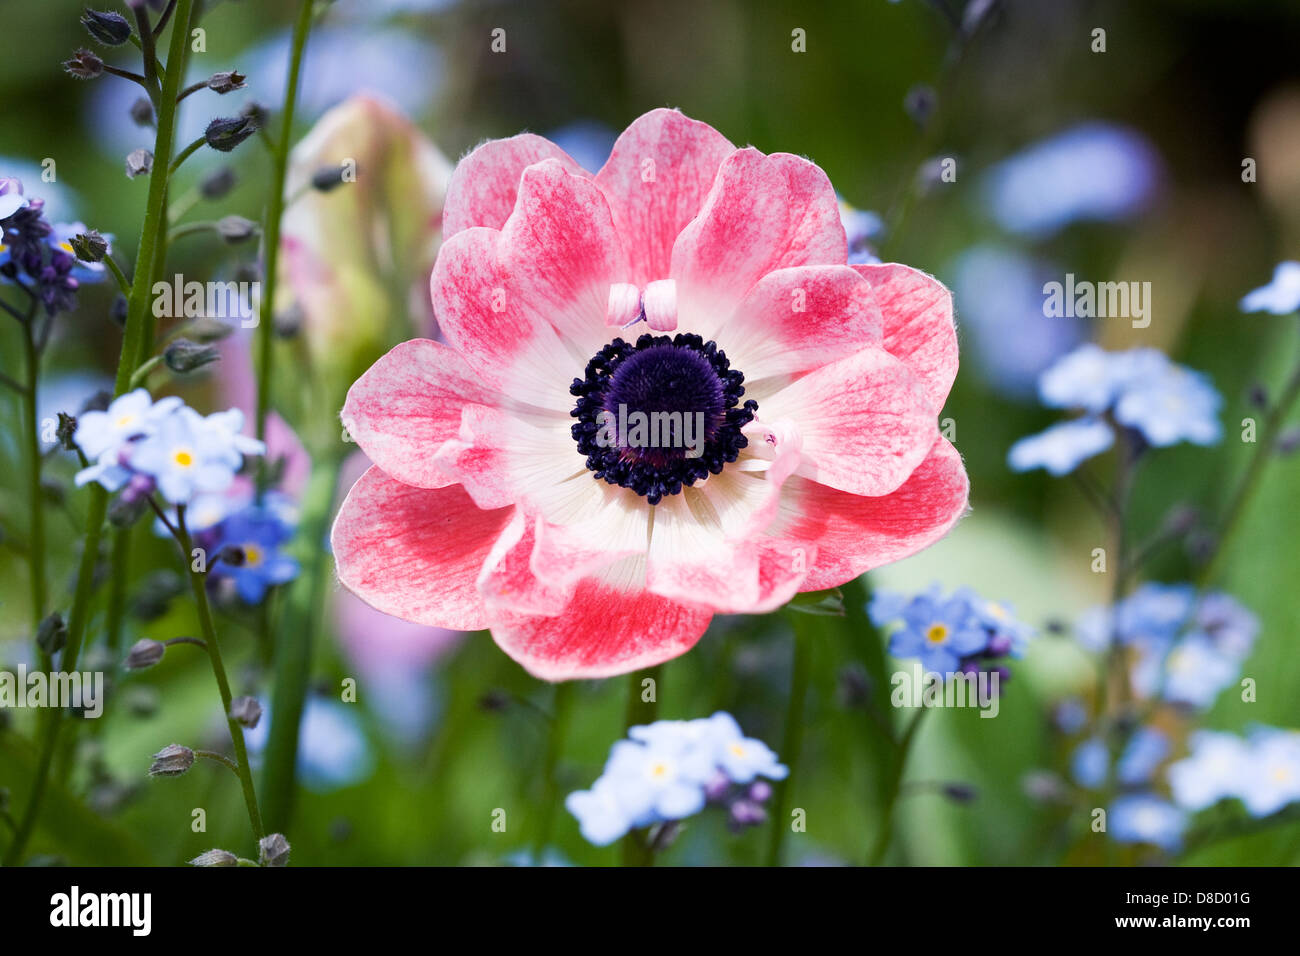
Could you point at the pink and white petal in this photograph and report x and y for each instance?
(407, 404)
(853, 534)
(801, 318)
(656, 180)
(763, 213)
(918, 323)
(562, 254)
(604, 630)
(415, 553)
(481, 317)
(485, 183)
(865, 421)
(507, 580)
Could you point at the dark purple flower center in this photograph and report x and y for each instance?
(661, 414)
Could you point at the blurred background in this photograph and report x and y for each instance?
(1118, 165)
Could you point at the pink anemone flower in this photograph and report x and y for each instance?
(516, 484)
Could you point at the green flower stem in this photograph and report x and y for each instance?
(1254, 471)
(198, 581)
(635, 850)
(185, 154)
(271, 228)
(895, 787)
(292, 664)
(559, 725)
(792, 741)
(137, 315)
(36, 542)
(117, 589)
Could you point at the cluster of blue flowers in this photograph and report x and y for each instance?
(673, 769)
(1140, 390)
(1187, 647)
(959, 633)
(257, 530)
(39, 255)
(1262, 770)
(139, 445)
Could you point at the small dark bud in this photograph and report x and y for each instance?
(182, 356)
(1288, 441)
(84, 65)
(126, 510)
(256, 112)
(138, 163)
(145, 653)
(66, 428)
(328, 177)
(960, 792)
(236, 229)
(53, 491)
(172, 761)
(494, 701)
(1056, 627)
(90, 246)
(52, 634)
(226, 132)
(118, 310)
(288, 323)
(226, 82)
(209, 330)
(1258, 396)
(215, 858)
(232, 555)
(217, 183)
(273, 850)
(246, 710)
(920, 103)
(142, 112)
(110, 29)
(1181, 519)
(156, 593)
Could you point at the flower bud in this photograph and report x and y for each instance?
(90, 246)
(217, 183)
(156, 593)
(328, 177)
(273, 850)
(960, 792)
(226, 81)
(246, 710)
(256, 112)
(226, 132)
(172, 761)
(117, 311)
(236, 229)
(65, 431)
(145, 653)
(130, 506)
(110, 29)
(232, 555)
(138, 162)
(1288, 441)
(182, 355)
(215, 858)
(52, 634)
(84, 65)
(142, 112)
(208, 330)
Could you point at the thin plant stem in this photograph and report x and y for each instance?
(198, 580)
(884, 836)
(36, 541)
(271, 228)
(635, 850)
(558, 727)
(792, 741)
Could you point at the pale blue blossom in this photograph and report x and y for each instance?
(1281, 296)
(1175, 406)
(1144, 818)
(1061, 448)
(1213, 771)
(189, 454)
(1271, 779)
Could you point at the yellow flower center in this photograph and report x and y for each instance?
(1281, 774)
(738, 750)
(659, 770)
(936, 633)
(183, 458)
(66, 246)
(125, 420)
(252, 555)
